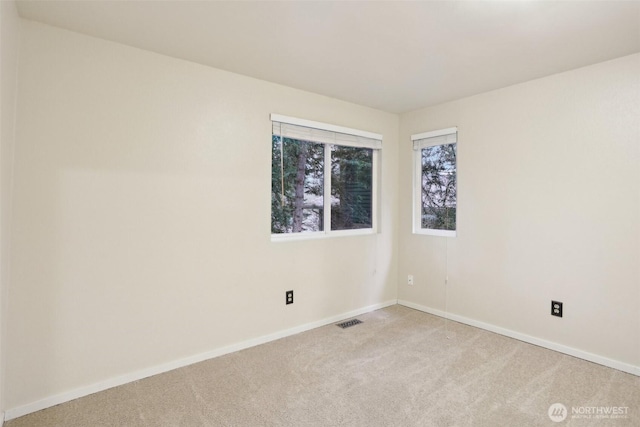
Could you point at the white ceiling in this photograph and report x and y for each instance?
(394, 56)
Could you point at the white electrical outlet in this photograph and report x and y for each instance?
(410, 279)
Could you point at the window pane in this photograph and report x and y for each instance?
(439, 187)
(297, 183)
(351, 183)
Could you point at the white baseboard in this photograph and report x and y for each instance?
(615, 364)
(159, 369)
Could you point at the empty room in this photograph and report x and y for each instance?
(319, 213)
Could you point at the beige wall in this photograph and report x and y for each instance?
(549, 208)
(9, 40)
(142, 215)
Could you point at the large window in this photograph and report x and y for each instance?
(435, 182)
(322, 179)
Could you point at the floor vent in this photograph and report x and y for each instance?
(349, 323)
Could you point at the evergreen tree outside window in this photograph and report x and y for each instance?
(322, 179)
(351, 187)
(297, 186)
(435, 182)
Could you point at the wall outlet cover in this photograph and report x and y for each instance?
(556, 308)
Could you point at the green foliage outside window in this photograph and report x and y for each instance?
(297, 186)
(351, 180)
(297, 170)
(439, 187)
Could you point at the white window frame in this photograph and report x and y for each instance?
(375, 161)
(420, 141)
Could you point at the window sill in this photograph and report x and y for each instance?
(432, 232)
(292, 237)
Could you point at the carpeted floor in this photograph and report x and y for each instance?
(398, 368)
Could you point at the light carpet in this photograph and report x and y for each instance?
(401, 367)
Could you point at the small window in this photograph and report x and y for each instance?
(322, 179)
(435, 182)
